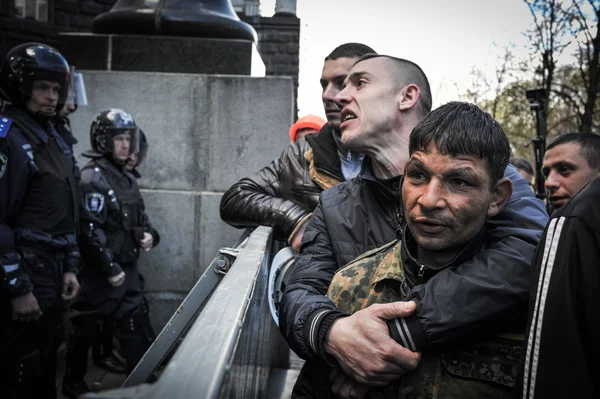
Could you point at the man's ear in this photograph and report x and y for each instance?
(408, 97)
(500, 195)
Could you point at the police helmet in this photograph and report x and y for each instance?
(109, 124)
(28, 63)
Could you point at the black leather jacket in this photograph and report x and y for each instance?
(285, 192)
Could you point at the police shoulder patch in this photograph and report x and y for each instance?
(3, 164)
(94, 202)
(5, 124)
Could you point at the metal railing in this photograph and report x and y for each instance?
(230, 347)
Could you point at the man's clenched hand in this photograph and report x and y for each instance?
(70, 287)
(117, 280)
(26, 308)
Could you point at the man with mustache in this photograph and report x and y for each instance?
(283, 194)
(38, 220)
(383, 100)
(571, 161)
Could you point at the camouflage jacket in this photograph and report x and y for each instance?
(484, 368)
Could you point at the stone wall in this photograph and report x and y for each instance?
(279, 46)
(205, 133)
(15, 30)
(77, 15)
(278, 36)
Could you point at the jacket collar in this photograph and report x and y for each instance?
(30, 122)
(325, 152)
(412, 265)
(63, 128)
(391, 186)
(113, 169)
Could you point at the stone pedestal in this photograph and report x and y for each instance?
(205, 132)
(153, 53)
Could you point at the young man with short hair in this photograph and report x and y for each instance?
(284, 194)
(571, 161)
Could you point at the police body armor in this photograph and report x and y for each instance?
(51, 202)
(125, 226)
(484, 368)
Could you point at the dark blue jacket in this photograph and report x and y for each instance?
(17, 169)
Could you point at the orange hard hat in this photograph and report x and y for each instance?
(306, 122)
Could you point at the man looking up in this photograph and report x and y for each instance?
(384, 99)
(283, 194)
(571, 161)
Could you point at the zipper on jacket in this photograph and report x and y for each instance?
(399, 230)
(421, 272)
(399, 216)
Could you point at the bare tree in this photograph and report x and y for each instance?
(558, 24)
(550, 35)
(589, 58)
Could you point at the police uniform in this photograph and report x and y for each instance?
(38, 220)
(63, 128)
(112, 224)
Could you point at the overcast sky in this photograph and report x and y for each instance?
(445, 37)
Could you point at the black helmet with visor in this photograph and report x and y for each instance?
(28, 63)
(109, 124)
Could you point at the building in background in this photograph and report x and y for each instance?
(41, 20)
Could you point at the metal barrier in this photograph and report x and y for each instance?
(231, 347)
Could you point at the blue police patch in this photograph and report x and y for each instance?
(94, 202)
(4, 126)
(3, 163)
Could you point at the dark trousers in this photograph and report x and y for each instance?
(124, 307)
(28, 349)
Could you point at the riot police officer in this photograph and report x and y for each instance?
(103, 352)
(38, 220)
(114, 229)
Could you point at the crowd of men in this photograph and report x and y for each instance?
(426, 267)
(69, 239)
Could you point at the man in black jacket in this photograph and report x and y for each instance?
(114, 229)
(562, 347)
(383, 100)
(283, 194)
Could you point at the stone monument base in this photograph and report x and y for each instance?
(173, 54)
